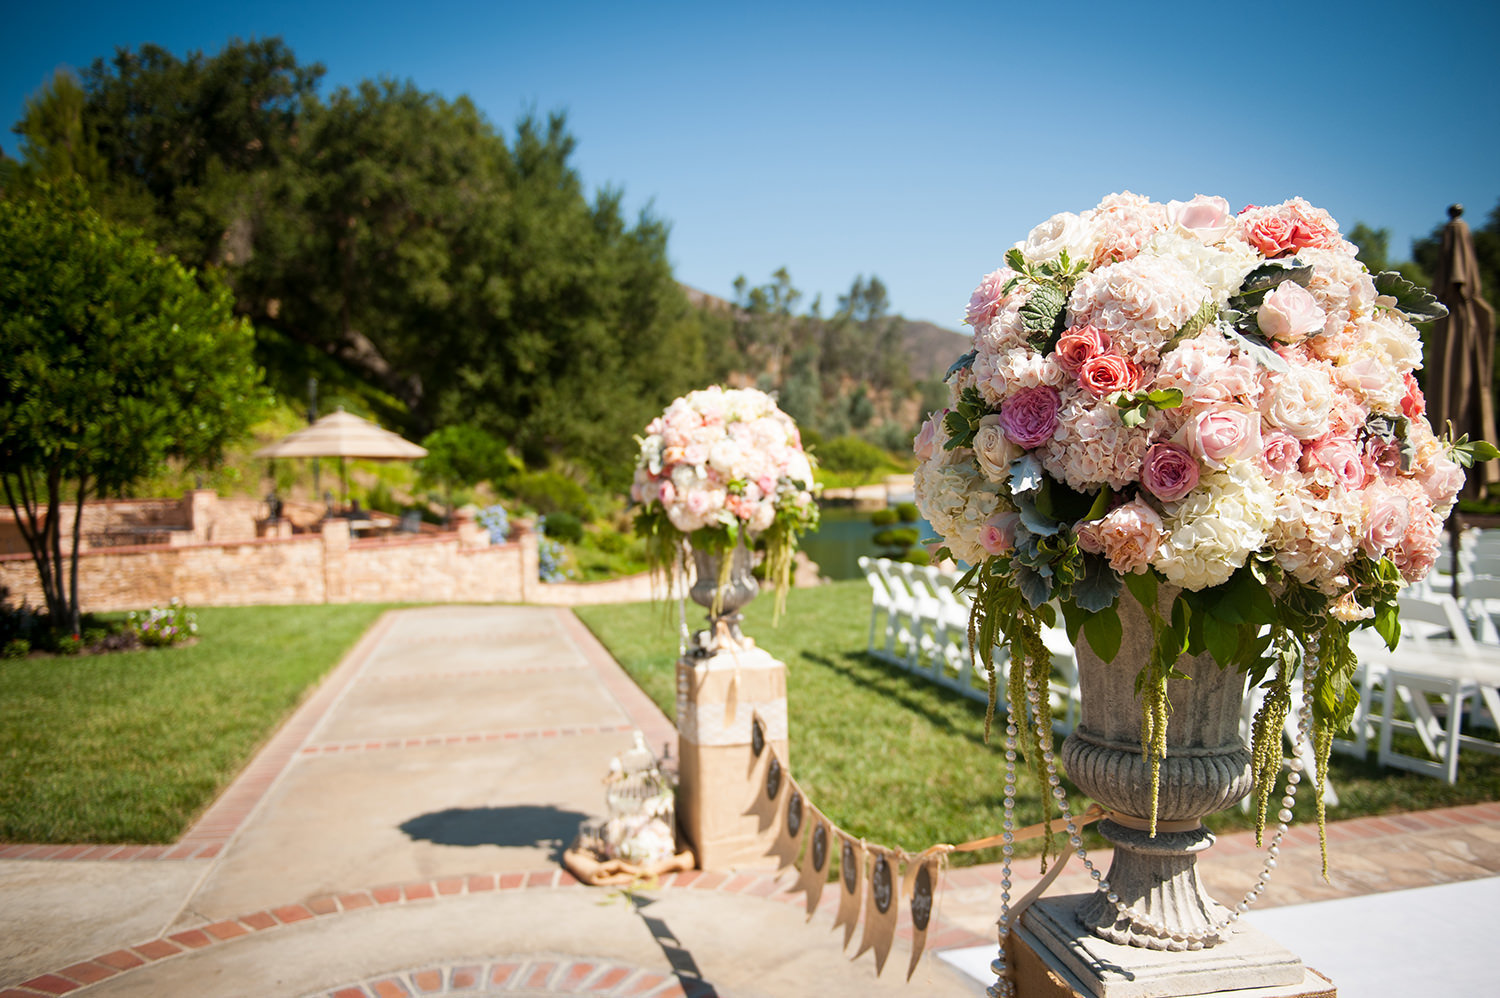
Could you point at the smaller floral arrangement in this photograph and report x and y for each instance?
(160, 627)
(718, 466)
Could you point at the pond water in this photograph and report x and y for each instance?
(843, 536)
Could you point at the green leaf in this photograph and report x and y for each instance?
(1259, 351)
(1201, 319)
(1388, 624)
(960, 364)
(1073, 618)
(1103, 631)
(1043, 310)
(1101, 504)
(1222, 641)
(1415, 302)
(1267, 276)
(1165, 398)
(1015, 260)
(1143, 588)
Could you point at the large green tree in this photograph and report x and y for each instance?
(112, 359)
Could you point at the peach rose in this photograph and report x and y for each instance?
(1079, 345)
(1109, 373)
(1129, 536)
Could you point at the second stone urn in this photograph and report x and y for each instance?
(724, 603)
(1206, 769)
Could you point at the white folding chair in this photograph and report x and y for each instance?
(926, 612)
(880, 603)
(898, 635)
(1445, 668)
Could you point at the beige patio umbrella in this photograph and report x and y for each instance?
(1463, 344)
(341, 434)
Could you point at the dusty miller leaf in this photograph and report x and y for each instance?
(1416, 303)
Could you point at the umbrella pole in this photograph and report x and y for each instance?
(344, 478)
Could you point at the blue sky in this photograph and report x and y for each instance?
(911, 141)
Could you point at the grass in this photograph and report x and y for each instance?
(902, 762)
(131, 747)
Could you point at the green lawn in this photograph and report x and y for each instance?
(903, 762)
(131, 747)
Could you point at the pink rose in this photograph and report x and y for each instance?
(1079, 345)
(985, 302)
(1290, 313)
(1441, 479)
(1029, 417)
(1312, 226)
(1280, 453)
(1109, 373)
(1223, 433)
(1169, 472)
(1208, 218)
(998, 534)
(1382, 458)
(1387, 515)
(1419, 548)
(1339, 455)
(1269, 232)
(930, 436)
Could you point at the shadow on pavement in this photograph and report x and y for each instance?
(519, 825)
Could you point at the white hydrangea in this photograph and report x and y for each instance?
(1211, 532)
(1222, 266)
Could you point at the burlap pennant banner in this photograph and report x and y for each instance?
(851, 884)
(813, 873)
(789, 829)
(882, 904)
(920, 888)
(771, 792)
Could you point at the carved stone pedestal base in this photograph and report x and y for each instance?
(1248, 963)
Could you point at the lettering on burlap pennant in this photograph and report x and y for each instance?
(882, 904)
(923, 875)
(789, 829)
(851, 884)
(813, 873)
(771, 793)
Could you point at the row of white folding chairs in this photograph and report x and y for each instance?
(926, 631)
(1440, 675)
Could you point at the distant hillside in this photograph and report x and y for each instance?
(933, 349)
(930, 349)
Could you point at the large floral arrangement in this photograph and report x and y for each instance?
(718, 465)
(1175, 394)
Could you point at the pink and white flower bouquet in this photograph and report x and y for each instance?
(1222, 403)
(718, 465)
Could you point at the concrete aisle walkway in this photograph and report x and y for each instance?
(402, 834)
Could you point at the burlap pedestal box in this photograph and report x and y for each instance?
(717, 698)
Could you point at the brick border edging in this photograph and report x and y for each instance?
(594, 976)
(214, 829)
(81, 975)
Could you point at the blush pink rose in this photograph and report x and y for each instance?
(1339, 455)
(1109, 373)
(1208, 218)
(1223, 433)
(1382, 458)
(1079, 345)
(930, 436)
(986, 300)
(1441, 479)
(1419, 548)
(1290, 313)
(1169, 472)
(1129, 536)
(1387, 515)
(1280, 453)
(1029, 417)
(998, 534)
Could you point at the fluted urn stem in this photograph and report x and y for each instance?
(739, 590)
(1206, 768)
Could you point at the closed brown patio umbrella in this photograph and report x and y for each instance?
(341, 434)
(1462, 374)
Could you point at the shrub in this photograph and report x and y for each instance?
(918, 556)
(908, 512)
(853, 455)
(163, 626)
(884, 517)
(17, 648)
(897, 537)
(562, 526)
(549, 492)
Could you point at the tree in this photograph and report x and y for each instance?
(57, 141)
(112, 359)
(461, 456)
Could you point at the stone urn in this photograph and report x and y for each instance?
(724, 604)
(1206, 769)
